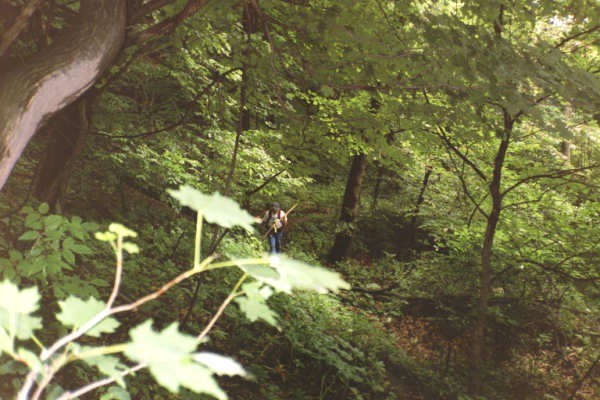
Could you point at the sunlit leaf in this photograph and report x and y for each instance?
(218, 364)
(295, 274)
(214, 208)
(168, 355)
(76, 312)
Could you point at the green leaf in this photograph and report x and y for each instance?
(131, 248)
(260, 272)
(6, 343)
(15, 307)
(295, 274)
(110, 366)
(105, 236)
(168, 355)
(68, 256)
(115, 393)
(18, 301)
(29, 235)
(214, 208)
(80, 249)
(32, 361)
(219, 364)
(76, 312)
(43, 208)
(121, 230)
(253, 303)
(24, 325)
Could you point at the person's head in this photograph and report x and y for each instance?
(275, 206)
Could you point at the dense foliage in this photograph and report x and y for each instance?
(442, 157)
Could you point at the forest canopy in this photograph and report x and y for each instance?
(429, 170)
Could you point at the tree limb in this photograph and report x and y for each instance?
(566, 39)
(550, 175)
(168, 25)
(18, 25)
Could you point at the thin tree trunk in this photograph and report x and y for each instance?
(485, 276)
(249, 18)
(413, 220)
(31, 92)
(68, 131)
(350, 205)
(377, 187)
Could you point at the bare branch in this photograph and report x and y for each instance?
(95, 385)
(549, 175)
(576, 35)
(18, 25)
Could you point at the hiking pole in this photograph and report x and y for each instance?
(273, 226)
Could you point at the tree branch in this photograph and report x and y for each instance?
(576, 35)
(13, 32)
(168, 25)
(183, 119)
(549, 175)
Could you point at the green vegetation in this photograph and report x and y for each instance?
(442, 159)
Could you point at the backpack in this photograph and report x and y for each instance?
(271, 219)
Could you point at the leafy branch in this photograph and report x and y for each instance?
(169, 355)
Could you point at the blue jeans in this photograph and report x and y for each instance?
(275, 240)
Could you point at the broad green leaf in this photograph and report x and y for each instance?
(108, 365)
(168, 355)
(131, 248)
(295, 274)
(29, 235)
(22, 325)
(76, 312)
(214, 208)
(260, 272)
(115, 393)
(68, 256)
(80, 249)
(253, 303)
(18, 301)
(219, 364)
(105, 236)
(43, 208)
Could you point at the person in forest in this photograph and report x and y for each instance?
(275, 220)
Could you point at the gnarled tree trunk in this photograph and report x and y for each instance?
(55, 77)
(68, 130)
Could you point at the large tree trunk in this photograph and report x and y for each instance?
(350, 203)
(52, 79)
(67, 133)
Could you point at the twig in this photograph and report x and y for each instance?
(234, 293)
(103, 382)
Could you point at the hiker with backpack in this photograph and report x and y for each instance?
(275, 220)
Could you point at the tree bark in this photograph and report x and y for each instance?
(412, 239)
(485, 275)
(350, 204)
(56, 76)
(67, 133)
